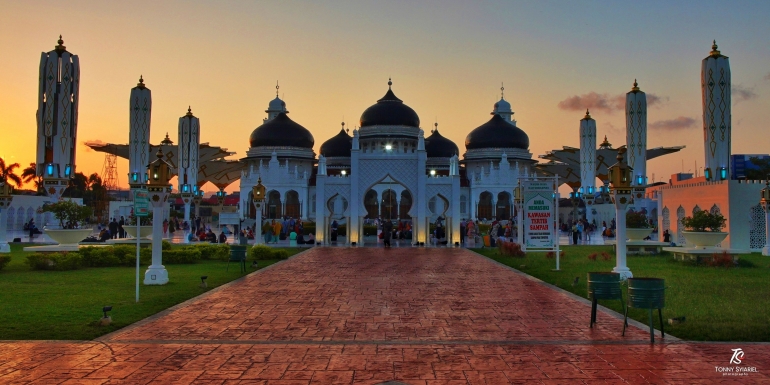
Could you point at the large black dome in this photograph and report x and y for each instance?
(281, 131)
(390, 111)
(339, 145)
(438, 146)
(497, 133)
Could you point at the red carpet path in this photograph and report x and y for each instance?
(373, 316)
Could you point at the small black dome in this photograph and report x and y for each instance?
(338, 145)
(281, 131)
(438, 146)
(497, 133)
(390, 111)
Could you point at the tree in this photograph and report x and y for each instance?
(8, 173)
(29, 175)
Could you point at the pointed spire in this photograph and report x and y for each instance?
(189, 111)
(588, 115)
(276, 89)
(141, 82)
(502, 91)
(435, 127)
(61, 46)
(635, 87)
(390, 83)
(167, 141)
(343, 127)
(714, 50)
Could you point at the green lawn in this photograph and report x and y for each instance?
(59, 305)
(720, 304)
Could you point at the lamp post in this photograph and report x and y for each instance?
(765, 206)
(158, 190)
(518, 199)
(197, 198)
(258, 194)
(588, 198)
(5, 202)
(575, 199)
(620, 179)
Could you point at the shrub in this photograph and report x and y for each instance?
(209, 251)
(4, 260)
(181, 255)
(606, 256)
(704, 221)
(721, 260)
(98, 257)
(55, 261)
(636, 220)
(165, 245)
(260, 252)
(592, 256)
(280, 254)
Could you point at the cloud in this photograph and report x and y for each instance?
(767, 77)
(676, 124)
(89, 143)
(742, 94)
(604, 102)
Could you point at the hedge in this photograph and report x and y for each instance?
(4, 259)
(262, 252)
(55, 261)
(182, 255)
(210, 251)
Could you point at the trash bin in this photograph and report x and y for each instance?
(238, 254)
(486, 241)
(603, 285)
(647, 293)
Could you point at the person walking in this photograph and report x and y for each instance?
(387, 232)
(462, 232)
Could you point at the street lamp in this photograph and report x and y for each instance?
(5, 202)
(620, 180)
(765, 202)
(258, 194)
(518, 199)
(575, 197)
(158, 190)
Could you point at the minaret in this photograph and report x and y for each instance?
(503, 108)
(717, 117)
(189, 140)
(636, 135)
(140, 110)
(57, 118)
(588, 161)
(275, 107)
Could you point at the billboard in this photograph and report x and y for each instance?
(539, 211)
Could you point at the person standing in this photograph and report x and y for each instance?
(121, 230)
(387, 232)
(462, 232)
(113, 226)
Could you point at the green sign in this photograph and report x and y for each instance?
(141, 203)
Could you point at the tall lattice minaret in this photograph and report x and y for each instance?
(140, 110)
(57, 118)
(717, 116)
(588, 161)
(189, 140)
(636, 134)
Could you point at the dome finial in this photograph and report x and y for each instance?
(189, 111)
(588, 115)
(276, 89)
(141, 82)
(435, 127)
(636, 86)
(61, 46)
(390, 83)
(502, 91)
(714, 50)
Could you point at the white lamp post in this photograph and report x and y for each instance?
(518, 199)
(620, 179)
(766, 206)
(158, 189)
(5, 202)
(258, 194)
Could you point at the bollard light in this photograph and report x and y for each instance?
(344, 172)
(105, 310)
(203, 281)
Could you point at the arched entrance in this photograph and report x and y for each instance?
(388, 206)
(370, 202)
(293, 207)
(405, 205)
(273, 205)
(485, 209)
(503, 206)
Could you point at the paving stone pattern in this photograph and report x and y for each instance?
(375, 316)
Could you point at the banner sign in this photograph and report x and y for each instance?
(141, 203)
(539, 227)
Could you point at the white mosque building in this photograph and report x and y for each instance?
(388, 168)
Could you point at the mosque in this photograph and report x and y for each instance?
(387, 168)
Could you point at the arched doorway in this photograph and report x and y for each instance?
(293, 207)
(503, 206)
(405, 205)
(388, 206)
(370, 202)
(485, 209)
(273, 205)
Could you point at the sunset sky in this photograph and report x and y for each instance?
(333, 59)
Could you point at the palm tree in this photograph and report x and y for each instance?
(29, 175)
(8, 173)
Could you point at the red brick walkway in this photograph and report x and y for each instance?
(369, 316)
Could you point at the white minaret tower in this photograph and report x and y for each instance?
(275, 107)
(189, 141)
(57, 118)
(503, 108)
(588, 162)
(717, 117)
(140, 110)
(636, 136)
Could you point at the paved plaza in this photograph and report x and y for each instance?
(370, 316)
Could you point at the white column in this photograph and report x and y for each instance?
(258, 240)
(621, 203)
(4, 246)
(717, 115)
(636, 134)
(140, 111)
(156, 274)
